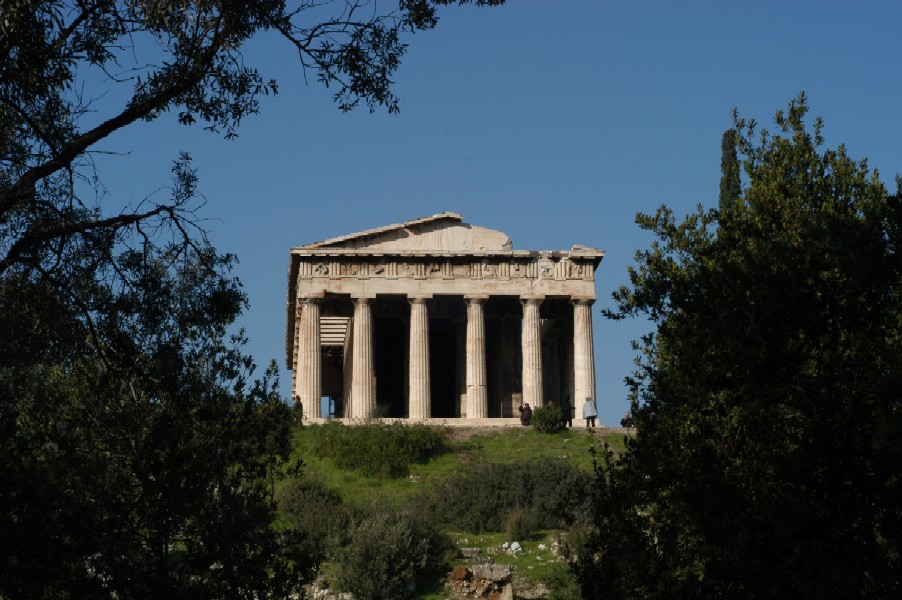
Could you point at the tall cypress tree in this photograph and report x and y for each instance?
(729, 171)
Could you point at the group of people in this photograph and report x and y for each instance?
(590, 413)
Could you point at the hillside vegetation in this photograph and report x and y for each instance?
(390, 506)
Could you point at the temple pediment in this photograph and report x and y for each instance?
(444, 232)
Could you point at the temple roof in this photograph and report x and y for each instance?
(442, 238)
(443, 232)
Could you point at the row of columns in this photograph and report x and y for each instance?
(362, 398)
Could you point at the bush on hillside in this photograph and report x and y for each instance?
(548, 419)
(562, 583)
(318, 512)
(379, 449)
(483, 496)
(387, 550)
(521, 523)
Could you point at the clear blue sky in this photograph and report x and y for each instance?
(554, 122)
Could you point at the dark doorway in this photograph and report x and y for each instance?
(503, 356)
(333, 376)
(390, 351)
(443, 367)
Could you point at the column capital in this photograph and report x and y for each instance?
(532, 300)
(476, 298)
(310, 300)
(419, 299)
(582, 301)
(362, 299)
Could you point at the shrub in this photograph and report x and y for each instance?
(480, 498)
(379, 449)
(548, 419)
(317, 511)
(562, 584)
(521, 523)
(386, 551)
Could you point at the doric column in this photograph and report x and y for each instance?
(583, 353)
(420, 405)
(363, 395)
(532, 353)
(477, 399)
(309, 368)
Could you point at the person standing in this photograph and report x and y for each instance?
(627, 420)
(567, 412)
(589, 413)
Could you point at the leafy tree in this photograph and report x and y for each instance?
(136, 454)
(766, 463)
(157, 57)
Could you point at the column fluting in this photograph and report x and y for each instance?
(532, 353)
(583, 352)
(309, 367)
(419, 394)
(477, 399)
(363, 394)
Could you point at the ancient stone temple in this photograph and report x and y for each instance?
(435, 318)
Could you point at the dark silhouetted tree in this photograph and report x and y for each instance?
(767, 402)
(136, 451)
(729, 172)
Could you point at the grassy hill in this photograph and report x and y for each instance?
(475, 488)
(467, 445)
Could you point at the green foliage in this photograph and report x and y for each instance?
(386, 551)
(548, 419)
(521, 523)
(545, 494)
(137, 457)
(562, 584)
(554, 495)
(196, 71)
(379, 449)
(135, 453)
(513, 445)
(316, 511)
(766, 403)
(730, 185)
(509, 445)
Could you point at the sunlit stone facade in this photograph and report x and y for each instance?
(438, 319)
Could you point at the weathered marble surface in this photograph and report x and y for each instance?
(426, 260)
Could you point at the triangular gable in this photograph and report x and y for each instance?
(442, 232)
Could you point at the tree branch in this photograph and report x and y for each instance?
(23, 190)
(34, 238)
